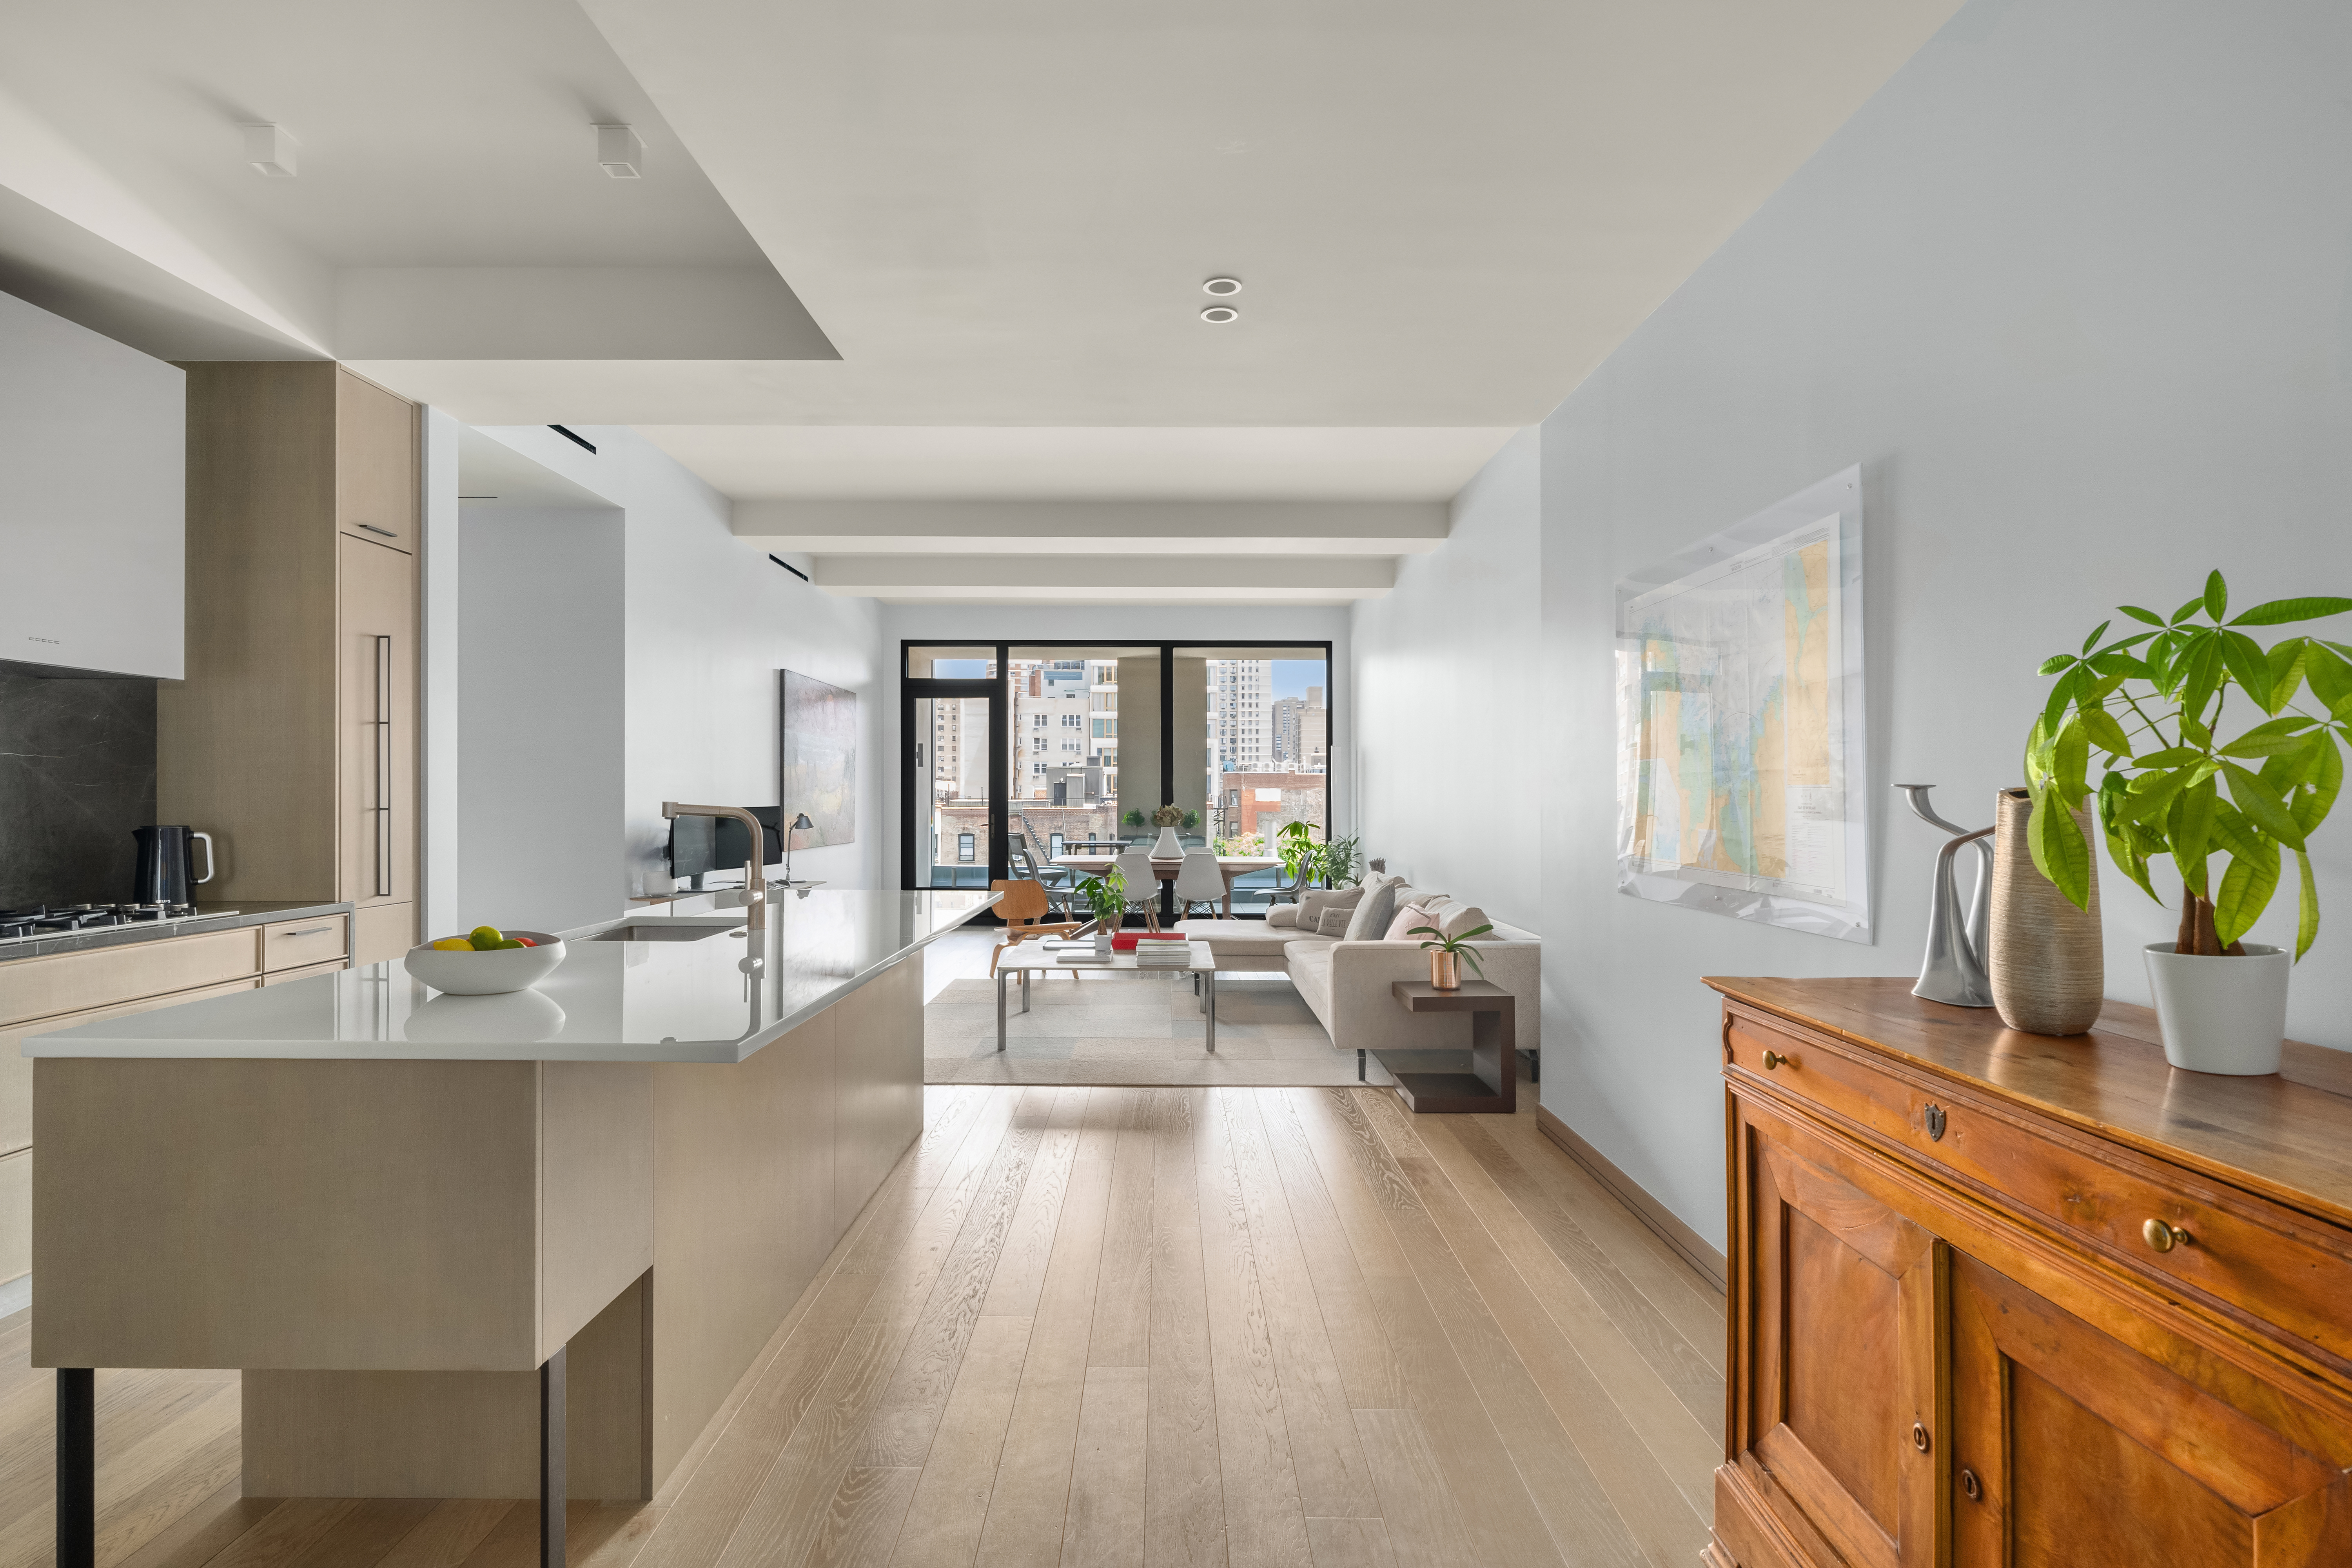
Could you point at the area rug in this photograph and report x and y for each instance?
(1130, 1028)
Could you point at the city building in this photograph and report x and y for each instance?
(1302, 731)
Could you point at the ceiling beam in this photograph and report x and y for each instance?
(1107, 579)
(922, 526)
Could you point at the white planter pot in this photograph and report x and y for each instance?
(2221, 1015)
(1102, 942)
(1165, 846)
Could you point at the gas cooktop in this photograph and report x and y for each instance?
(65, 920)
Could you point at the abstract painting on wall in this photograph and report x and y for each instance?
(820, 759)
(1742, 764)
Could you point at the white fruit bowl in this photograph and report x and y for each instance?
(491, 973)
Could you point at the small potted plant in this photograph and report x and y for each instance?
(1448, 954)
(2153, 705)
(1106, 898)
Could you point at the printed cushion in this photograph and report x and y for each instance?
(1282, 915)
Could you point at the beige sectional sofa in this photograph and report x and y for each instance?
(1346, 983)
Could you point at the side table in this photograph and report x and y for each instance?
(1492, 1083)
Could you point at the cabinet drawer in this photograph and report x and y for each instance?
(282, 977)
(2241, 1251)
(292, 944)
(73, 982)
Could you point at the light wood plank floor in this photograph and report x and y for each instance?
(1092, 1326)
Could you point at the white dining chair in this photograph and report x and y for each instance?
(1199, 881)
(1142, 883)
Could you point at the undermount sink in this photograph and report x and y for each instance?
(674, 928)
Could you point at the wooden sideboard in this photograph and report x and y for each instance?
(2000, 1299)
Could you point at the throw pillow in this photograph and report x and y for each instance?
(1460, 917)
(1373, 910)
(1407, 916)
(1282, 915)
(1333, 920)
(1315, 901)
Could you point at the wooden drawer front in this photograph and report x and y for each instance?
(295, 944)
(2284, 1268)
(282, 977)
(76, 982)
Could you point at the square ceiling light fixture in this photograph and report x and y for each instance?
(270, 150)
(622, 151)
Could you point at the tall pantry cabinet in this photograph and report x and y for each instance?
(293, 739)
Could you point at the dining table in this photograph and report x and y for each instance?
(1232, 865)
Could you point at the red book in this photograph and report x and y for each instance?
(1124, 941)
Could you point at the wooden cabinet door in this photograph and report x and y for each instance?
(376, 765)
(1840, 1406)
(375, 463)
(2070, 1449)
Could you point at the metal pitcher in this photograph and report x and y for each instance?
(1953, 970)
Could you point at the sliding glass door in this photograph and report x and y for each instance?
(955, 782)
(1020, 753)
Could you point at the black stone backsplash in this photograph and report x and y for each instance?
(76, 775)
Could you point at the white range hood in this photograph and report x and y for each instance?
(93, 479)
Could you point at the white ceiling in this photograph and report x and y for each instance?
(1082, 462)
(925, 251)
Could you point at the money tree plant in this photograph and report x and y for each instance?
(2154, 707)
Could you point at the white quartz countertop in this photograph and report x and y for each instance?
(714, 998)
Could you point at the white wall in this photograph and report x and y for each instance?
(540, 787)
(440, 570)
(1449, 699)
(2073, 289)
(687, 627)
(1121, 626)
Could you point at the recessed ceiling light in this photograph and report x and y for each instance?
(1221, 314)
(1221, 287)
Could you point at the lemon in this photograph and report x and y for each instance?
(453, 944)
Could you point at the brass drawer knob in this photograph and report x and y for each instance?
(1970, 1485)
(1919, 1437)
(2164, 1237)
(1775, 1060)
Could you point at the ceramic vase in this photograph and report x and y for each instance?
(1166, 847)
(1444, 969)
(2048, 970)
(2221, 1015)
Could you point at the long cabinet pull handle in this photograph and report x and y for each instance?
(371, 528)
(383, 767)
(306, 931)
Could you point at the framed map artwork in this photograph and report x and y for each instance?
(1742, 766)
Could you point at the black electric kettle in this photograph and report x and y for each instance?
(166, 872)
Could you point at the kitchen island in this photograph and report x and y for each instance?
(426, 1224)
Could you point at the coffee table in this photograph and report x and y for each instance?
(1036, 955)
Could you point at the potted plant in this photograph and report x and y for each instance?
(2154, 705)
(1168, 818)
(1105, 899)
(1447, 955)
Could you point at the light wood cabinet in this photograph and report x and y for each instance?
(293, 739)
(2002, 1299)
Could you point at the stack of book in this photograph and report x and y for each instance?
(1163, 954)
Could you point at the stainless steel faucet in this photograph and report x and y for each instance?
(755, 876)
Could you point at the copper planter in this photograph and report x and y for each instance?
(1444, 969)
